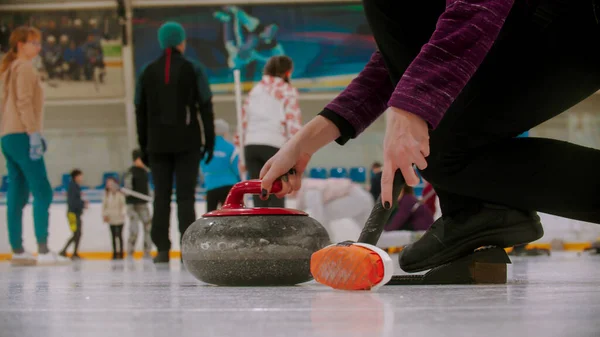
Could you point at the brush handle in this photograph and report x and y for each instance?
(379, 215)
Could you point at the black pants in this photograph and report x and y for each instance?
(256, 156)
(534, 72)
(116, 232)
(215, 197)
(75, 226)
(184, 168)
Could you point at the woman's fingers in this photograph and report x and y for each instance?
(420, 160)
(265, 168)
(409, 175)
(295, 180)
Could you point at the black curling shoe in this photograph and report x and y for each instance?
(452, 237)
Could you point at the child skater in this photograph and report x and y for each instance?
(113, 212)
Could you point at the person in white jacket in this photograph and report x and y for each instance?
(270, 116)
(328, 200)
(113, 213)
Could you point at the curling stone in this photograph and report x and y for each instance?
(239, 246)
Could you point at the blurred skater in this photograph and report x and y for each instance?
(76, 205)
(172, 92)
(270, 117)
(136, 179)
(113, 213)
(327, 200)
(411, 214)
(24, 147)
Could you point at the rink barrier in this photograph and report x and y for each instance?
(568, 246)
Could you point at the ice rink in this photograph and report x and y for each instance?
(545, 296)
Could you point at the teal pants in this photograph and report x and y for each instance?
(25, 175)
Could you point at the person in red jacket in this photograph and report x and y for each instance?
(429, 197)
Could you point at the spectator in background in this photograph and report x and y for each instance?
(171, 92)
(74, 60)
(270, 117)
(331, 199)
(78, 33)
(94, 58)
(375, 188)
(411, 214)
(113, 213)
(24, 147)
(95, 31)
(222, 172)
(75, 207)
(52, 57)
(66, 27)
(51, 29)
(4, 37)
(136, 179)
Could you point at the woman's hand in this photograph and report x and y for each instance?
(290, 162)
(406, 143)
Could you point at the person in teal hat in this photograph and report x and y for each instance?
(171, 93)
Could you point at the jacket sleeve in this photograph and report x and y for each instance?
(293, 115)
(464, 34)
(141, 112)
(104, 206)
(25, 78)
(205, 105)
(363, 100)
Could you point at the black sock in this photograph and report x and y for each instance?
(77, 239)
(113, 233)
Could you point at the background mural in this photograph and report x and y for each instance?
(329, 43)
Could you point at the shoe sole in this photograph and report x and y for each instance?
(343, 268)
(55, 263)
(23, 263)
(502, 238)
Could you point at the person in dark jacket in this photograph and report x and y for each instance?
(171, 92)
(375, 180)
(136, 180)
(75, 206)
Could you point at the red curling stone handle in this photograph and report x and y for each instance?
(235, 198)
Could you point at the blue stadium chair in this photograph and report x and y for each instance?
(64, 183)
(318, 173)
(358, 174)
(105, 176)
(338, 172)
(4, 185)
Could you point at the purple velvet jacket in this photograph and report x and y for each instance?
(464, 34)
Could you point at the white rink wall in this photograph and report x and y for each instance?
(96, 235)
